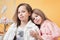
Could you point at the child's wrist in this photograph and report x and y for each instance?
(39, 38)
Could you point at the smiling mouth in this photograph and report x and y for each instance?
(37, 20)
(21, 17)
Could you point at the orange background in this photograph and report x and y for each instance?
(51, 8)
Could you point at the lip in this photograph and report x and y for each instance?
(21, 16)
(37, 20)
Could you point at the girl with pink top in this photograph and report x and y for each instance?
(48, 29)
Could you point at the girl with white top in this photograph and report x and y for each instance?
(20, 30)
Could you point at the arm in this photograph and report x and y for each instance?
(6, 36)
(54, 29)
(51, 30)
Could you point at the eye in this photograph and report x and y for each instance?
(18, 12)
(36, 16)
(23, 11)
(33, 18)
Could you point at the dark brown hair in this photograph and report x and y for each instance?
(15, 17)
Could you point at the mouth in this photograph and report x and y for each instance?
(37, 21)
(21, 16)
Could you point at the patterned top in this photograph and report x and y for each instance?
(49, 30)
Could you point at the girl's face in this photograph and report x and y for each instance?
(36, 18)
(23, 13)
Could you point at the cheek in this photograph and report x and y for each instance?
(40, 20)
(26, 16)
(34, 21)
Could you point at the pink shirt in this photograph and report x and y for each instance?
(49, 30)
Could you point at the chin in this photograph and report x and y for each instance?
(37, 23)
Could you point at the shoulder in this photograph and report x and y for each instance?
(11, 31)
(46, 22)
(31, 24)
(50, 24)
(12, 26)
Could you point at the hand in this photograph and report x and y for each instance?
(34, 33)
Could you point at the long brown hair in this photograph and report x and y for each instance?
(41, 14)
(15, 17)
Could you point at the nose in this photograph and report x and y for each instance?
(35, 19)
(20, 14)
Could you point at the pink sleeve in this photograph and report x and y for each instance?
(55, 31)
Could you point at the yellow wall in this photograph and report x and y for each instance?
(10, 4)
(50, 7)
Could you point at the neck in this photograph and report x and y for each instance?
(23, 23)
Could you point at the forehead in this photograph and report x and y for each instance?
(34, 14)
(22, 8)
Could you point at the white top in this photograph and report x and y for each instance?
(20, 33)
(25, 32)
